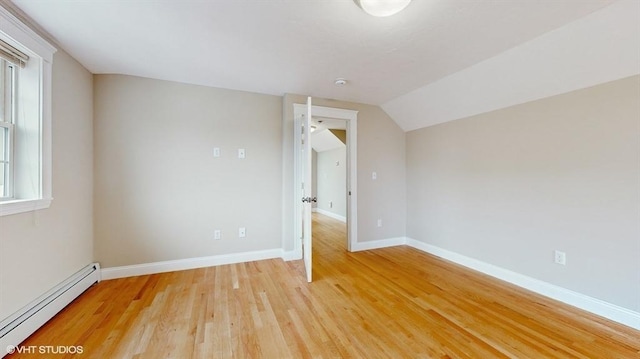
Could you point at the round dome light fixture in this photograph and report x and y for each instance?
(382, 8)
(340, 82)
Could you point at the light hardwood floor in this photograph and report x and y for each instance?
(386, 303)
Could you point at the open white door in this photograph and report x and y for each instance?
(306, 186)
(302, 164)
(302, 177)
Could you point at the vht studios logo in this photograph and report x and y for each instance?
(45, 349)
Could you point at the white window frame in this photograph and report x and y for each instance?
(8, 142)
(19, 35)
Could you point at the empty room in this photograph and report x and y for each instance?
(319, 179)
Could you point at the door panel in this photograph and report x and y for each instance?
(307, 194)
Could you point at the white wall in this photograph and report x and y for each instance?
(40, 249)
(159, 191)
(314, 177)
(511, 186)
(332, 181)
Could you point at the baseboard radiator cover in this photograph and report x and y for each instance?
(23, 323)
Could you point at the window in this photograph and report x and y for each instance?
(7, 95)
(25, 117)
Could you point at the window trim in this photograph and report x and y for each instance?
(8, 150)
(9, 127)
(13, 29)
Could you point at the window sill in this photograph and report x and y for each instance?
(23, 205)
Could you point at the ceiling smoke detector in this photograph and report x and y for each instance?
(340, 82)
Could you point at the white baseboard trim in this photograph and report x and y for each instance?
(584, 302)
(380, 243)
(293, 255)
(332, 215)
(188, 263)
(590, 304)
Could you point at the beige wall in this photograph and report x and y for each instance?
(40, 249)
(381, 148)
(160, 193)
(511, 186)
(332, 181)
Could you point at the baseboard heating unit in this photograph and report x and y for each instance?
(23, 323)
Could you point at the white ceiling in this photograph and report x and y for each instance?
(601, 47)
(323, 140)
(279, 46)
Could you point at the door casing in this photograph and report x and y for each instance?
(351, 118)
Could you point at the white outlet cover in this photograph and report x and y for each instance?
(374, 175)
(241, 153)
(216, 152)
(242, 232)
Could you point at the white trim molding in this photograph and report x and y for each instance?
(380, 243)
(188, 263)
(331, 214)
(578, 300)
(596, 306)
(351, 117)
(39, 94)
(24, 205)
(292, 255)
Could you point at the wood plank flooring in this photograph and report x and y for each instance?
(387, 303)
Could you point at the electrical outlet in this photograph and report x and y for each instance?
(374, 175)
(217, 234)
(241, 153)
(330, 204)
(242, 232)
(216, 152)
(379, 223)
(560, 257)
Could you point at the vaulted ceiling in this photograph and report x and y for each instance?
(404, 63)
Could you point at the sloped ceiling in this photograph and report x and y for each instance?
(598, 48)
(323, 140)
(278, 47)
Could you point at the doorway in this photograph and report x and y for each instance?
(303, 113)
(329, 169)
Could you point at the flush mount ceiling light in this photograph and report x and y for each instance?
(340, 82)
(382, 7)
